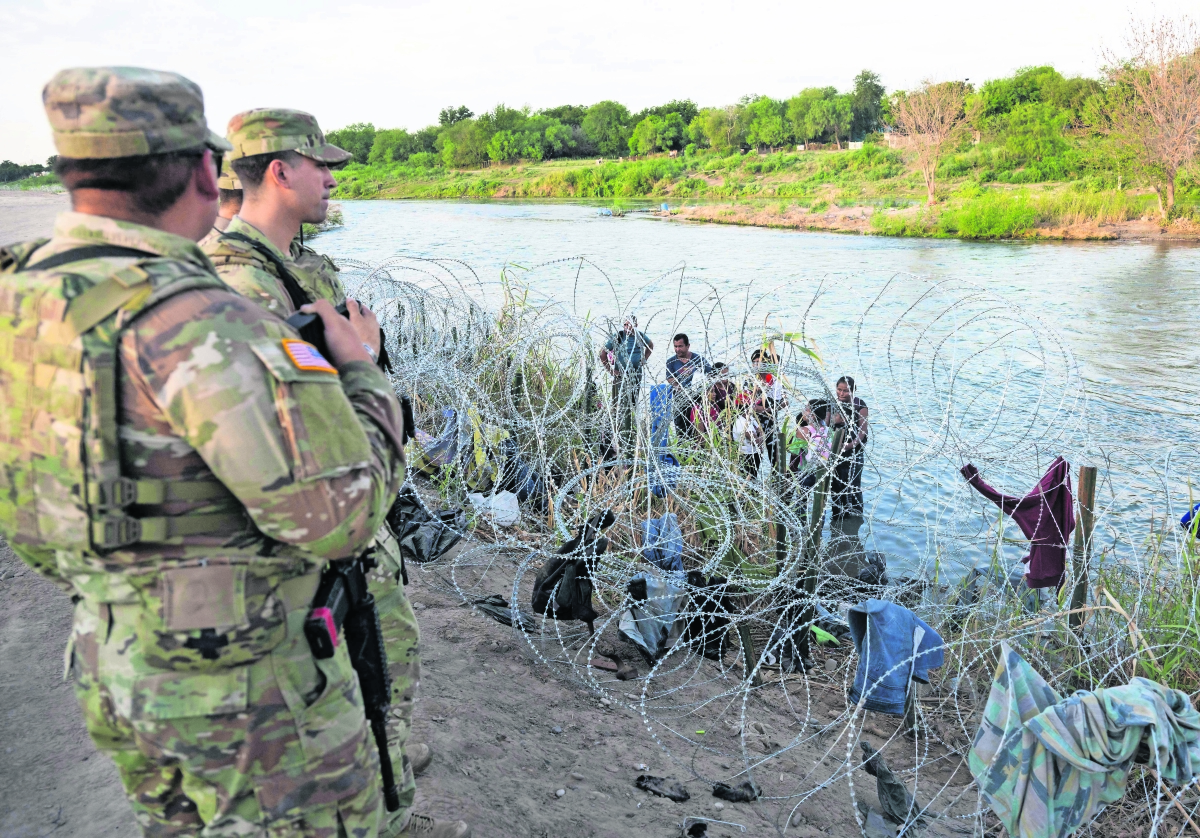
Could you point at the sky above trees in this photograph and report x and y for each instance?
(400, 63)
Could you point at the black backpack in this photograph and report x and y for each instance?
(563, 587)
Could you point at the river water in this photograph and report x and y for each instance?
(1004, 354)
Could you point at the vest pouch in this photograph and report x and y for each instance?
(211, 617)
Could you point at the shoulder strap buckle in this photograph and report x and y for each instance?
(117, 493)
(116, 531)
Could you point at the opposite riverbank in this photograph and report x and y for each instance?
(867, 190)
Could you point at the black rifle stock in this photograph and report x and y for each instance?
(343, 602)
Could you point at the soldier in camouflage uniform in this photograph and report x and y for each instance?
(229, 203)
(181, 463)
(253, 263)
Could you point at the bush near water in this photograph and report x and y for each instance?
(1033, 155)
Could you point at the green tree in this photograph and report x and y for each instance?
(464, 144)
(606, 125)
(799, 105)
(449, 116)
(644, 139)
(767, 123)
(672, 132)
(830, 116)
(866, 103)
(686, 109)
(1034, 131)
(356, 139)
(721, 128)
(566, 114)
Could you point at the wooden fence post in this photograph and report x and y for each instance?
(1082, 556)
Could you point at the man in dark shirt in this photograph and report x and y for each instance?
(849, 412)
(624, 355)
(681, 368)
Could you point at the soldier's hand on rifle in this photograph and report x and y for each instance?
(342, 336)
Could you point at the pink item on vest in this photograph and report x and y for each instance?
(1046, 516)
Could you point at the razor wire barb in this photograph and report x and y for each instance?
(954, 373)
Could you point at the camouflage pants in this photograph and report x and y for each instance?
(274, 748)
(401, 640)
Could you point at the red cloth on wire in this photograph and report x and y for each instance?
(1046, 516)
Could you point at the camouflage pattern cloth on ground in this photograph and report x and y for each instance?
(268, 130)
(1047, 765)
(194, 529)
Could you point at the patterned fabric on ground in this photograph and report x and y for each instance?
(1082, 748)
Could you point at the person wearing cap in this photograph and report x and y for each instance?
(228, 203)
(283, 162)
(183, 466)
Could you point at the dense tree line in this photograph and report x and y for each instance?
(10, 171)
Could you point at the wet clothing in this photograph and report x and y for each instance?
(835, 413)
(1046, 516)
(884, 635)
(683, 370)
(1046, 765)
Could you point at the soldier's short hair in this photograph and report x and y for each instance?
(252, 170)
(154, 182)
(229, 196)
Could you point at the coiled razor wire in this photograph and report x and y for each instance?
(954, 373)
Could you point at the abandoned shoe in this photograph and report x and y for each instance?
(419, 756)
(420, 826)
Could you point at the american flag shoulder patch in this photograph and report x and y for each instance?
(306, 356)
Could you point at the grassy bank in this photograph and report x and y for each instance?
(869, 190)
(36, 183)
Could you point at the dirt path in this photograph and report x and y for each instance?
(487, 708)
(28, 215)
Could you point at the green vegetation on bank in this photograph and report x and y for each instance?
(1031, 150)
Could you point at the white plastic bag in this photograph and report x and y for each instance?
(501, 508)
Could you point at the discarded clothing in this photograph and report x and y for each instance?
(1047, 765)
(431, 454)
(563, 586)
(710, 606)
(664, 474)
(520, 478)
(662, 542)
(892, 644)
(423, 537)
(497, 607)
(501, 508)
(1046, 516)
(647, 623)
(899, 806)
(1186, 520)
(669, 789)
(745, 792)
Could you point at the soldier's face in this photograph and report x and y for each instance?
(312, 183)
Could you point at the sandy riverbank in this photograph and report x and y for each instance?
(29, 214)
(857, 220)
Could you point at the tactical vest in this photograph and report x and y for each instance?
(61, 486)
(237, 249)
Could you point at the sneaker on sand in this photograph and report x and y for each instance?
(419, 756)
(420, 826)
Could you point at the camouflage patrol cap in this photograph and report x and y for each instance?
(228, 178)
(267, 130)
(106, 112)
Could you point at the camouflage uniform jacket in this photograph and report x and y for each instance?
(220, 225)
(312, 457)
(254, 276)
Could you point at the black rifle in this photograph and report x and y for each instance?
(343, 601)
(312, 330)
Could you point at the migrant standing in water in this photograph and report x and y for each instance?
(850, 412)
(623, 355)
(681, 371)
(283, 163)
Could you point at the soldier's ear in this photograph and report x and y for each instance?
(205, 176)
